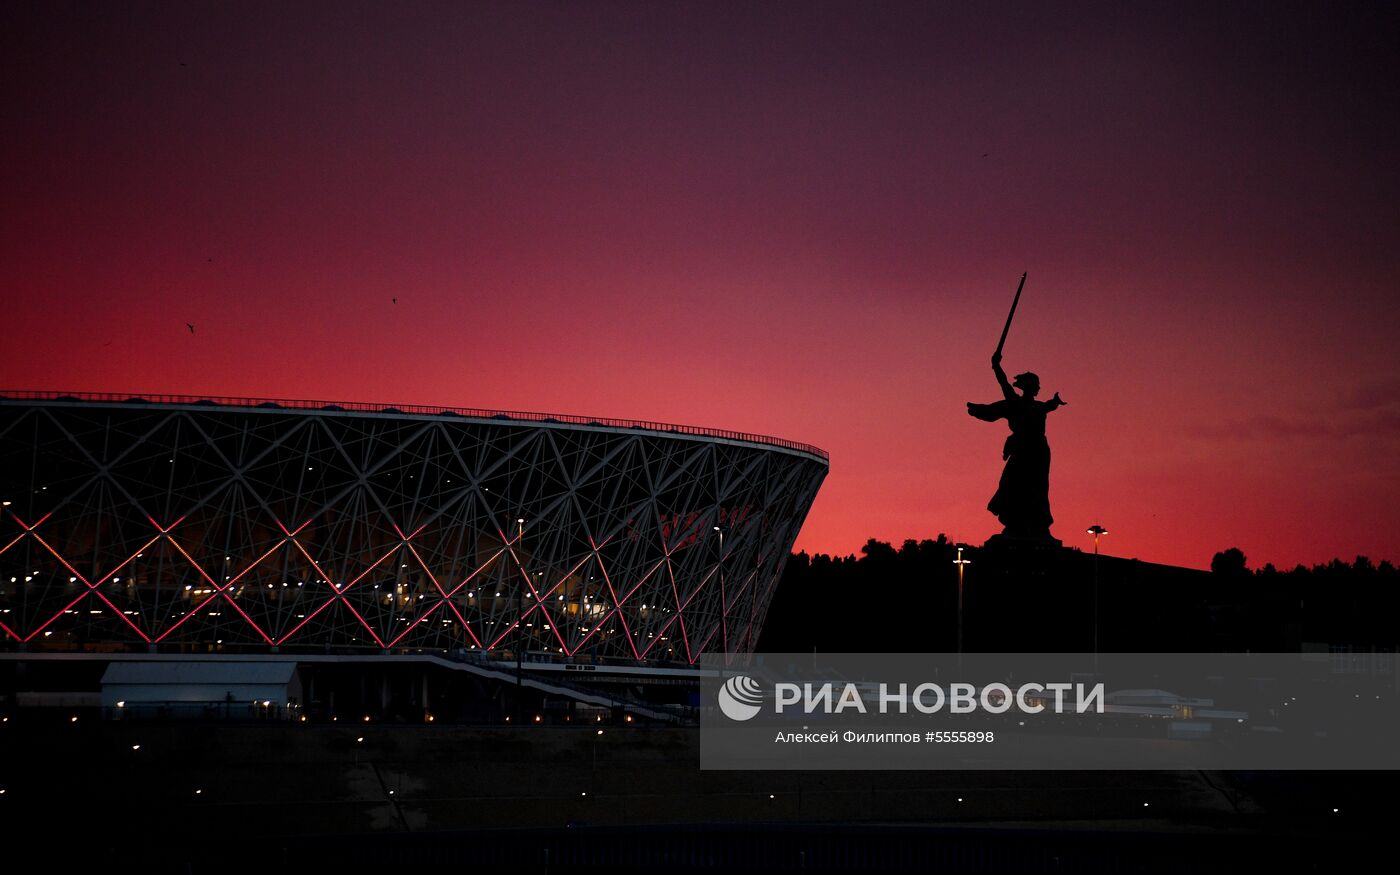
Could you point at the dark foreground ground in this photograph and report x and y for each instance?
(223, 797)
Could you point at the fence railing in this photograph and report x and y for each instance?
(412, 410)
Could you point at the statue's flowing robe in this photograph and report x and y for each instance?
(1022, 499)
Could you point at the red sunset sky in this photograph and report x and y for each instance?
(804, 220)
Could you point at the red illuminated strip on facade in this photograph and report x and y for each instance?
(445, 596)
(91, 587)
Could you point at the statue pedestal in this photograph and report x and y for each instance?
(1019, 544)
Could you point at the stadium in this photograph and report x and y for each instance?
(221, 528)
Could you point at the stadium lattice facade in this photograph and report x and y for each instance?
(235, 525)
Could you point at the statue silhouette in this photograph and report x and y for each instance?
(1022, 500)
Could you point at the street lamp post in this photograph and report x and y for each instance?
(1096, 530)
(961, 563)
(723, 604)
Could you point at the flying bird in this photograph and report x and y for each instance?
(190, 326)
(395, 300)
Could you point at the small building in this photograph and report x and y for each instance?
(1155, 703)
(226, 689)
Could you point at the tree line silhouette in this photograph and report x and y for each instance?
(904, 599)
(1339, 603)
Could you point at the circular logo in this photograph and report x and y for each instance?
(740, 698)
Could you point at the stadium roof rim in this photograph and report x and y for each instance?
(417, 410)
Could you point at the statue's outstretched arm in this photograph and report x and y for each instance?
(1055, 402)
